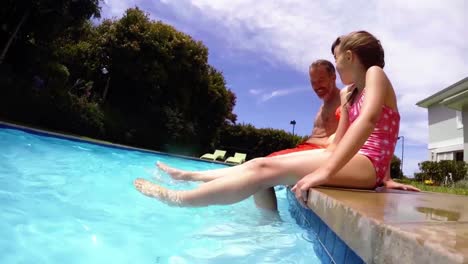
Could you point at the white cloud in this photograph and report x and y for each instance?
(266, 96)
(117, 8)
(425, 42)
(255, 91)
(263, 95)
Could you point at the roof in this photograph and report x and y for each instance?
(454, 96)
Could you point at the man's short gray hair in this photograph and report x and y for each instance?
(327, 64)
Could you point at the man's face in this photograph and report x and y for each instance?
(322, 82)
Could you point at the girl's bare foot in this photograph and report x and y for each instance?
(174, 173)
(152, 190)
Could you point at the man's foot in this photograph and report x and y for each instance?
(174, 173)
(152, 190)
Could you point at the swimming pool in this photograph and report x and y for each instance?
(69, 201)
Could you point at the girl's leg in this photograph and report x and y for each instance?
(265, 198)
(209, 175)
(204, 176)
(263, 173)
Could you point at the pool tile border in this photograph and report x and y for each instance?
(331, 248)
(77, 138)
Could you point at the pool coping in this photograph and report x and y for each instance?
(383, 237)
(73, 137)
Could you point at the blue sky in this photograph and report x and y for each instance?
(264, 48)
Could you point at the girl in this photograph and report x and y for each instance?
(358, 157)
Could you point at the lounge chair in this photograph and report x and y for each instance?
(237, 159)
(218, 154)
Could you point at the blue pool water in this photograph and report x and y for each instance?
(66, 201)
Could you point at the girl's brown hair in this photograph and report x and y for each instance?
(365, 45)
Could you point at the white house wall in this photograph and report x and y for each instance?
(465, 132)
(443, 126)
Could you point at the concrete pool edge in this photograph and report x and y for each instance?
(390, 236)
(78, 138)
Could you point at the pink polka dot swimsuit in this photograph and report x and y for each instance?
(380, 145)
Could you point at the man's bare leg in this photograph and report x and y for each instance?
(209, 175)
(266, 199)
(204, 176)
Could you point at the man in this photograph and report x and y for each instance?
(323, 81)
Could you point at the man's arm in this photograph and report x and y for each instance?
(343, 123)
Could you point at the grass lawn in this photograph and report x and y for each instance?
(439, 189)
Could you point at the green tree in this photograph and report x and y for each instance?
(161, 86)
(395, 168)
(254, 141)
(430, 170)
(439, 171)
(162, 93)
(32, 76)
(35, 23)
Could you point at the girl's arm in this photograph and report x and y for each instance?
(355, 136)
